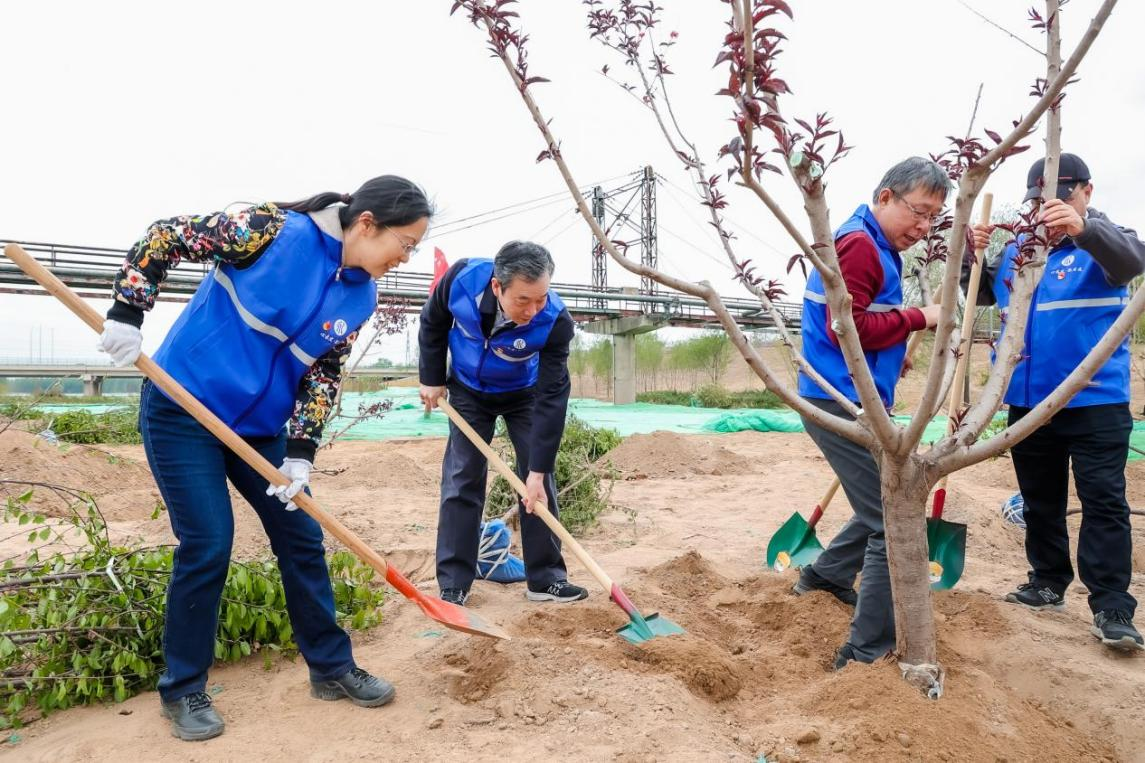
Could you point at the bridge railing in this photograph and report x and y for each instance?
(91, 271)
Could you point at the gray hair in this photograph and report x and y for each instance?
(522, 259)
(912, 173)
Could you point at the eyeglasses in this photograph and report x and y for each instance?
(918, 213)
(409, 248)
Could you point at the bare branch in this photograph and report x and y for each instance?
(1053, 89)
(1001, 28)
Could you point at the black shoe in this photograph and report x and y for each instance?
(358, 686)
(561, 591)
(810, 580)
(1037, 597)
(844, 655)
(1115, 629)
(193, 719)
(456, 596)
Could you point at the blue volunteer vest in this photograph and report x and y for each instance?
(1073, 307)
(821, 352)
(508, 360)
(249, 334)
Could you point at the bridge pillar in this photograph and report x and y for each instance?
(92, 385)
(623, 332)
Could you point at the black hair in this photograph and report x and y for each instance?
(522, 259)
(392, 200)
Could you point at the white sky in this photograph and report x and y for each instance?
(119, 114)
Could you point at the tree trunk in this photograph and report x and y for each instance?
(905, 493)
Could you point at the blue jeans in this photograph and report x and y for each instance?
(191, 468)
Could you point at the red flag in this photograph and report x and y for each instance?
(440, 265)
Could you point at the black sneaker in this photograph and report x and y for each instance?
(561, 591)
(810, 580)
(358, 686)
(192, 717)
(456, 596)
(1037, 597)
(843, 655)
(1115, 629)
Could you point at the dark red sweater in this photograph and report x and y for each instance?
(863, 274)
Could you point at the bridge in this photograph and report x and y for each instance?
(91, 271)
(620, 312)
(93, 374)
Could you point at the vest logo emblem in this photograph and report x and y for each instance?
(1067, 260)
(340, 327)
(518, 344)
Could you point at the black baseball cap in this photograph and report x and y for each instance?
(1071, 171)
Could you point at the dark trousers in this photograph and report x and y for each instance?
(191, 468)
(861, 544)
(463, 473)
(1096, 440)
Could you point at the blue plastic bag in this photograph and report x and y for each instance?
(494, 562)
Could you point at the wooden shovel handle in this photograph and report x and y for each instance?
(200, 412)
(540, 509)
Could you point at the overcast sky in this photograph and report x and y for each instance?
(119, 114)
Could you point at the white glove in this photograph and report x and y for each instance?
(297, 470)
(121, 341)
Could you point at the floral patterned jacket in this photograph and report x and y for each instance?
(238, 237)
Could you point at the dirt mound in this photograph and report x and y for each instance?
(475, 670)
(666, 454)
(378, 467)
(696, 662)
(26, 457)
(873, 713)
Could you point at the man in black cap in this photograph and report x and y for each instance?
(1083, 290)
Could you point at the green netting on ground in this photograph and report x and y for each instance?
(407, 419)
(788, 421)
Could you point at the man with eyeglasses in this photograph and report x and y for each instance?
(507, 336)
(903, 208)
(1083, 290)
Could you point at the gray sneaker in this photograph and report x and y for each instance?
(193, 718)
(1115, 629)
(358, 686)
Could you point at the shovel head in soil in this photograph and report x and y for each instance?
(947, 541)
(640, 628)
(793, 545)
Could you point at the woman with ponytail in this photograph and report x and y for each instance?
(262, 344)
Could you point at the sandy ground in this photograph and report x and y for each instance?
(686, 538)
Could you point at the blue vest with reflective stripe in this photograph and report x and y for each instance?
(508, 360)
(249, 334)
(823, 355)
(1072, 309)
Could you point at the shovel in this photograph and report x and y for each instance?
(449, 615)
(639, 628)
(947, 540)
(794, 544)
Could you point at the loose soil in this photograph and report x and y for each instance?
(750, 677)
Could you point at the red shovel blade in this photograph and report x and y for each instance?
(449, 615)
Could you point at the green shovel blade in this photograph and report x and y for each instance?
(639, 631)
(947, 542)
(793, 545)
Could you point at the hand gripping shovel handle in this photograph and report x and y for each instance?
(965, 346)
(204, 416)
